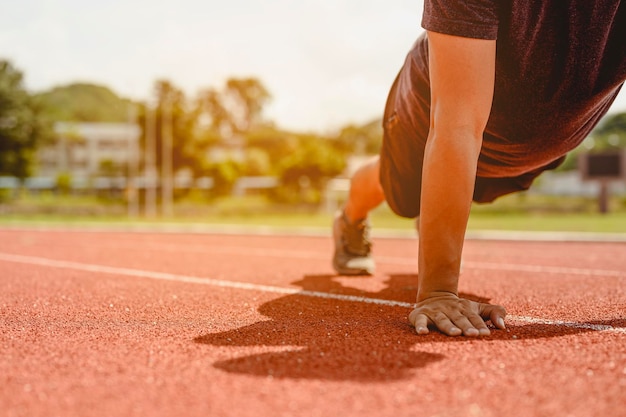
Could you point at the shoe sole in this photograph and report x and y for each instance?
(351, 271)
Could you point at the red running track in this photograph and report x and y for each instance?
(148, 324)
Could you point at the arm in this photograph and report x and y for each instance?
(462, 73)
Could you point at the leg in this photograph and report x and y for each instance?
(365, 191)
(401, 155)
(351, 228)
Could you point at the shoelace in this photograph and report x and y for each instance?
(356, 237)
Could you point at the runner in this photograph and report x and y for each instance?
(493, 94)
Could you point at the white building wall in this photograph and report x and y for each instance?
(81, 147)
(570, 183)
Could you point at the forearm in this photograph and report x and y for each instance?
(447, 187)
(462, 79)
(462, 72)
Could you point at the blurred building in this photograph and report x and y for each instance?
(86, 151)
(571, 183)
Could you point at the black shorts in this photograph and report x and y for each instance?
(405, 127)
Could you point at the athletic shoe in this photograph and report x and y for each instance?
(352, 247)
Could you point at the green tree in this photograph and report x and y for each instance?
(248, 97)
(210, 126)
(109, 168)
(83, 102)
(256, 162)
(237, 107)
(173, 114)
(63, 183)
(225, 174)
(360, 139)
(210, 103)
(22, 124)
(278, 144)
(305, 172)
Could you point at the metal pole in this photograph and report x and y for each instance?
(603, 198)
(133, 165)
(150, 163)
(167, 188)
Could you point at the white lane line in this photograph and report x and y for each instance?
(394, 260)
(571, 325)
(390, 260)
(164, 276)
(545, 269)
(494, 266)
(79, 266)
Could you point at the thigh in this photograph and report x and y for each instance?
(406, 123)
(401, 159)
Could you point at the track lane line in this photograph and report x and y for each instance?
(389, 260)
(164, 276)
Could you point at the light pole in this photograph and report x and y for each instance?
(150, 162)
(133, 164)
(167, 184)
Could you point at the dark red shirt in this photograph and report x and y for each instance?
(559, 66)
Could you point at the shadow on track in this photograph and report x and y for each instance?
(311, 337)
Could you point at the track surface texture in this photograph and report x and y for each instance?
(173, 324)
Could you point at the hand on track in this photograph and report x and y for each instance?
(455, 316)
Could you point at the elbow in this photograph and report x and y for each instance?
(465, 138)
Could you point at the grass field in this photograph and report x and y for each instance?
(517, 213)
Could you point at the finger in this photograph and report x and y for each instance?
(446, 326)
(419, 321)
(478, 320)
(475, 326)
(494, 313)
(479, 324)
(465, 325)
(498, 319)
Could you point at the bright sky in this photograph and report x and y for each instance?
(325, 62)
